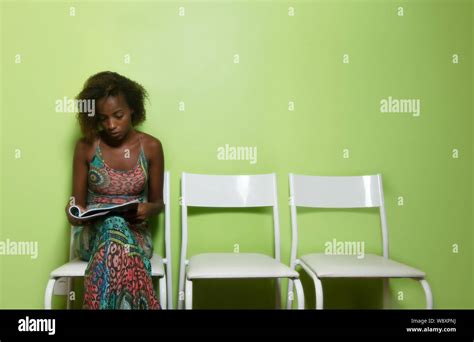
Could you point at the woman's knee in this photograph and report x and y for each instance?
(115, 227)
(114, 222)
(115, 219)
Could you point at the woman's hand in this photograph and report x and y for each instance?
(72, 220)
(144, 211)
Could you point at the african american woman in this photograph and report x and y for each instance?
(115, 163)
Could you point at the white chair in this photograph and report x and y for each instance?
(345, 192)
(226, 191)
(61, 279)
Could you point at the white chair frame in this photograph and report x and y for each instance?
(339, 192)
(227, 191)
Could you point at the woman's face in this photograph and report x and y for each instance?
(115, 116)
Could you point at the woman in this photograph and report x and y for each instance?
(115, 163)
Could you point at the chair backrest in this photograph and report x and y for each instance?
(167, 256)
(228, 191)
(336, 192)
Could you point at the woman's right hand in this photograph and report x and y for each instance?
(72, 220)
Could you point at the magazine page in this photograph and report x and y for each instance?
(76, 212)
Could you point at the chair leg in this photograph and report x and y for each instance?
(181, 290)
(289, 295)
(319, 293)
(189, 294)
(163, 295)
(48, 294)
(318, 286)
(386, 293)
(169, 287)
(299, 293)
(428, 294)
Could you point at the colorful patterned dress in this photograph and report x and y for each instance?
(118, 275)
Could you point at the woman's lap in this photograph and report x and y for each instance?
(139, 239)
(118, 275)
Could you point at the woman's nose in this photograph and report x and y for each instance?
(111, 125)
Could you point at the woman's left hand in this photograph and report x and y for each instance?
(144, 211)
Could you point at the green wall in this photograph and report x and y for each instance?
(282, 58)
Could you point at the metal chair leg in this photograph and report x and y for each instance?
(428, 294)
(299, 293)
(48, 295)
(189, 294)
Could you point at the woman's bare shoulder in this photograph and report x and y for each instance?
(84, 149)
(151, 143)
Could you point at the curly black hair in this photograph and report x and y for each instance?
(108, 83)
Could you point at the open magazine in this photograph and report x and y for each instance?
(76, 212)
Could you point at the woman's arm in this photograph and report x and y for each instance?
(156, 166)
(79, 175)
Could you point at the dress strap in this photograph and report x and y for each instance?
(142, 151)
(142, 158)
(98, 150)
(97, 143)
(140, 139)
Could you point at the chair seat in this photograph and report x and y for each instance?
(349, 266)
(74, 268)
(237, 265)
(77, 268)
(157, 268)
